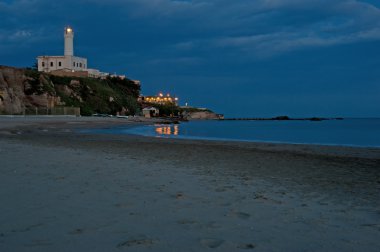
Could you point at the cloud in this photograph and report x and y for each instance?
(275, 43)
(269, 27)
(16, 36)
(180, 61)
(21, 34)
(261, 28)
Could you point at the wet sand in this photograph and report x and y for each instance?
(66, 191)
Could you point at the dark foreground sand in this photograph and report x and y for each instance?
(65, 191)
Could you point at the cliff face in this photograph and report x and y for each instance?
(16, 91)
(23, 90)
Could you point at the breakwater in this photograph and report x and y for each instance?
(280, 118)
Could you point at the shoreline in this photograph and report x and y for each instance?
(103, 123)
(193, 131)
(73, 125)
(232, 140)
(65, 191)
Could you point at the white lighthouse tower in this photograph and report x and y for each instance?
(69, 41)
(67, 64)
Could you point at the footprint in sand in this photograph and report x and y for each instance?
(211, 243)
(187, 222)
(179, 196)
(137, 241)
(246, 246)
(77, 231)
(240, 215)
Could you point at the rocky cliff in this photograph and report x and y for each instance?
(202, 115)
(23, 90)
(14, 95)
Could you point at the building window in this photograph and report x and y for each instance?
(60, 63)
(43, 64)
(77, 64)
(84, 65)
(51, 64)
(73, 64)
(80, 64)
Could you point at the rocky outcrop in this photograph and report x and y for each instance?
(19, 92)
(11, 92)
(69, 91)
(201, 115)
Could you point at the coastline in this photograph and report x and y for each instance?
(12, 125)
(258, 143)
(67, 191)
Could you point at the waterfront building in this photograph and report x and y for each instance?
(68, 64)
(68, 61)
(159, 99)
(150, 112)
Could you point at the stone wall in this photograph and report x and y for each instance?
(69, 73)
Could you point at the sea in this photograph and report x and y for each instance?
(358, 132)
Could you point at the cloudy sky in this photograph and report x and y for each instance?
(240, 58)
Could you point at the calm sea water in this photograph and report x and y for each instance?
(347, 132)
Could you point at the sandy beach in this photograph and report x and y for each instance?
(62, 190)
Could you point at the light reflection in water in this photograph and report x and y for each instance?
(167, 130)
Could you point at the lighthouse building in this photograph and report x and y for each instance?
(68, 62)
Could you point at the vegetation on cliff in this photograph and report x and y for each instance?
(107, 96)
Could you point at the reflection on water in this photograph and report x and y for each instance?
(347, 132)
(167, 130)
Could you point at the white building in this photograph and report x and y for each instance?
(68, 62)
(150, 112)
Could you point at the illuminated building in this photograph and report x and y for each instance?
(160, 99)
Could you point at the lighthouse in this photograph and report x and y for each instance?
(69, 41)
(67, 64)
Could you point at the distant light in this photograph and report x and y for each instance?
(161, 95)
(176, 99)
(69, 30)
(168, 95)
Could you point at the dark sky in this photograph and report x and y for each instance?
(240, 58)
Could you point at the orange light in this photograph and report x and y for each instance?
(176, 130)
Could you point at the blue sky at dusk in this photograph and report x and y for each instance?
(240, 58)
